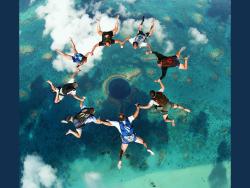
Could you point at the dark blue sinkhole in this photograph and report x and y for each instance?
(119, 88)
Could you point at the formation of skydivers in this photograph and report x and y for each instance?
(124, 124)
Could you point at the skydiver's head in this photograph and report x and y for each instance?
(152, 93)
(135, 45)
(122, 117)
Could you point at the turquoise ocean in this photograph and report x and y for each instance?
(194, 154)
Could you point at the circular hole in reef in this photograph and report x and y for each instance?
(119, 88)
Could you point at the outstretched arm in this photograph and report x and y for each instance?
(107, 123)
(87, 54)
(78, 98)
(99, 28)
(94, 47)
(119, 42)
(185, 65)
(115, 30)
(81, 102)
(148, 106)
(136, 113)
(74, 74)
(161, 84)
(126, 39)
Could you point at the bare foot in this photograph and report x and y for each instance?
(151, 152)
(187, 110)
(186, 58)
(173, 123)
(49, 82)
(119, 165)
(67, 133)
(64, 121)
(182, 49)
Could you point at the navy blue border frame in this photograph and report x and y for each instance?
(9, 96)
(240, 94)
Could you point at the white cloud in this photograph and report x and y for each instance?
(130, 27)
(92, 179)
(64, 21)
(170, 46)
(37, 174)
(93, 6)
(197, 36)
(109, 10)
(123, 11)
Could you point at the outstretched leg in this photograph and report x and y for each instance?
(66, 56)
(151, 28)
(122, 151)
(163, 72)
(53, 88)
(167, 120)
(77, 133)
(57, 98)
(158, 55)
(73, 46)
(185, 65)
(181, 108)
(178, 54)
(139, 140)
(115, 30)
(67, 120)
(141, 24)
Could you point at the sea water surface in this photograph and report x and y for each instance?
(194, 154)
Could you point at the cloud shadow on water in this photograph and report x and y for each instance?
(218, 175)
(199, 125)
(37, 96)
(220, 9)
